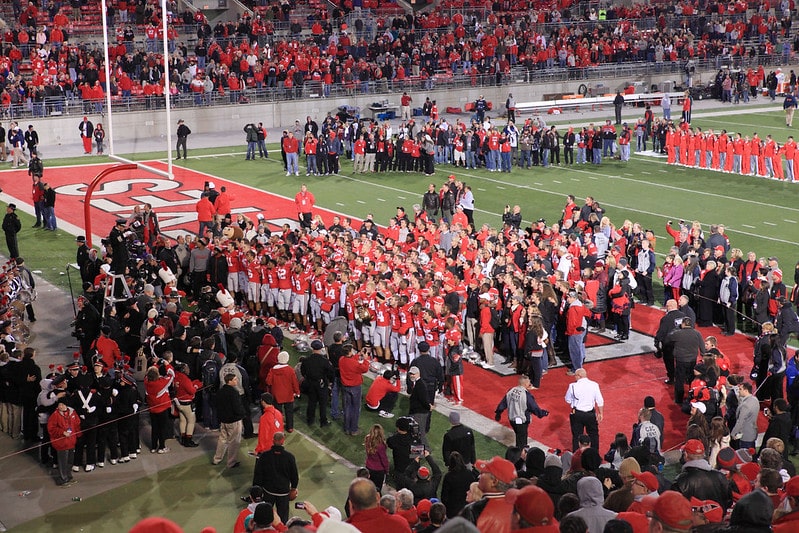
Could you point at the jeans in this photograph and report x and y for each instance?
(352, 408)
(292, 163)
(577, 349)
(335, 401)
(251, 149)
(48, 215)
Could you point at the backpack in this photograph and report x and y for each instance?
(210, 375)
(496, 321)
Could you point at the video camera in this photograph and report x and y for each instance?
(417, 447)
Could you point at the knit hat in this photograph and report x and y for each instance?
(553, 460)
(649, 402)
(317, 345)
(283, 358)
(673, 510)
(792, 486)
(235, 323)
(727, 458)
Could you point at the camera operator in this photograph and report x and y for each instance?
(400, 444)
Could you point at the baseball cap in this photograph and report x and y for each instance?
(533, 504)
(424, 505)
(792, 486)
(751, 470)
(647, 478)
(699, 406)
(673, 510)
(711, 509)
(638, 521)
(80, 238)
(718, 249)
(694, 447)
(423, 472)
(500, 468)
(414, 370)
(454, 335)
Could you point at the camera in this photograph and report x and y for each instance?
(299, 505)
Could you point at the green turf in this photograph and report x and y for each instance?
(194, 494)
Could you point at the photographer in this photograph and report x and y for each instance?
(421, 481)
(352, 367)
(117, 244)
(383, 393)
(419, 404)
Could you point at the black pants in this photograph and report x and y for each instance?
(520, 430)
(568, 156)
(30, 419)
(11, 242)
(87, 442)
(582, 421)
(158, 427)
(128, 430)
(317, 395)
(247, 428)
(181, 142)
(668, 361)
(683, 374)
(288, 414)
(107, 438)
(281, 505)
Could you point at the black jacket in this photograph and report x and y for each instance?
(668, 323)
(419, 402)
(276, 471)
(697, 479)
(228, 405)
(421, 489)
(317, 370)
(687, 343)
(431, 373)
(459, 439)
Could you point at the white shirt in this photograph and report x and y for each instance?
(583, 394)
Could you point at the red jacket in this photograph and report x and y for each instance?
(378, 390)
(157, 393)
(270, 423)
(352, 371)
(282, 382)
(58, 424)
(485, 320)
(205, 210)
(786, 524)
(377, 520)
(186, 388)
(574, 318)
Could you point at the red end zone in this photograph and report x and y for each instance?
(173, 201)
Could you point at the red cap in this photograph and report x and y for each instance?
(159, 330)
(639, 521)
(533, 504)
(719, 249)
(648, 479)
(424, 506)
(711, 509)
(272, 321)
(454, 335)
(792, 486)
(694, 447)
(423, 472)
(500, 468)
(644, 505)
(750, 470)
(674, 511)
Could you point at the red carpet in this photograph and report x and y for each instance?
(624, 383)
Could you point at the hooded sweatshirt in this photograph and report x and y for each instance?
(589, 489)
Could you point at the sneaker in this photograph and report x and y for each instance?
(76, 469)
(138, 450)
(113, 461)
(163, 450)
(125, 459)
(288, 173)
(89, 468)
(153, 451)
(385, 414)
(101, 464)
(570, 372)
(133, 456)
